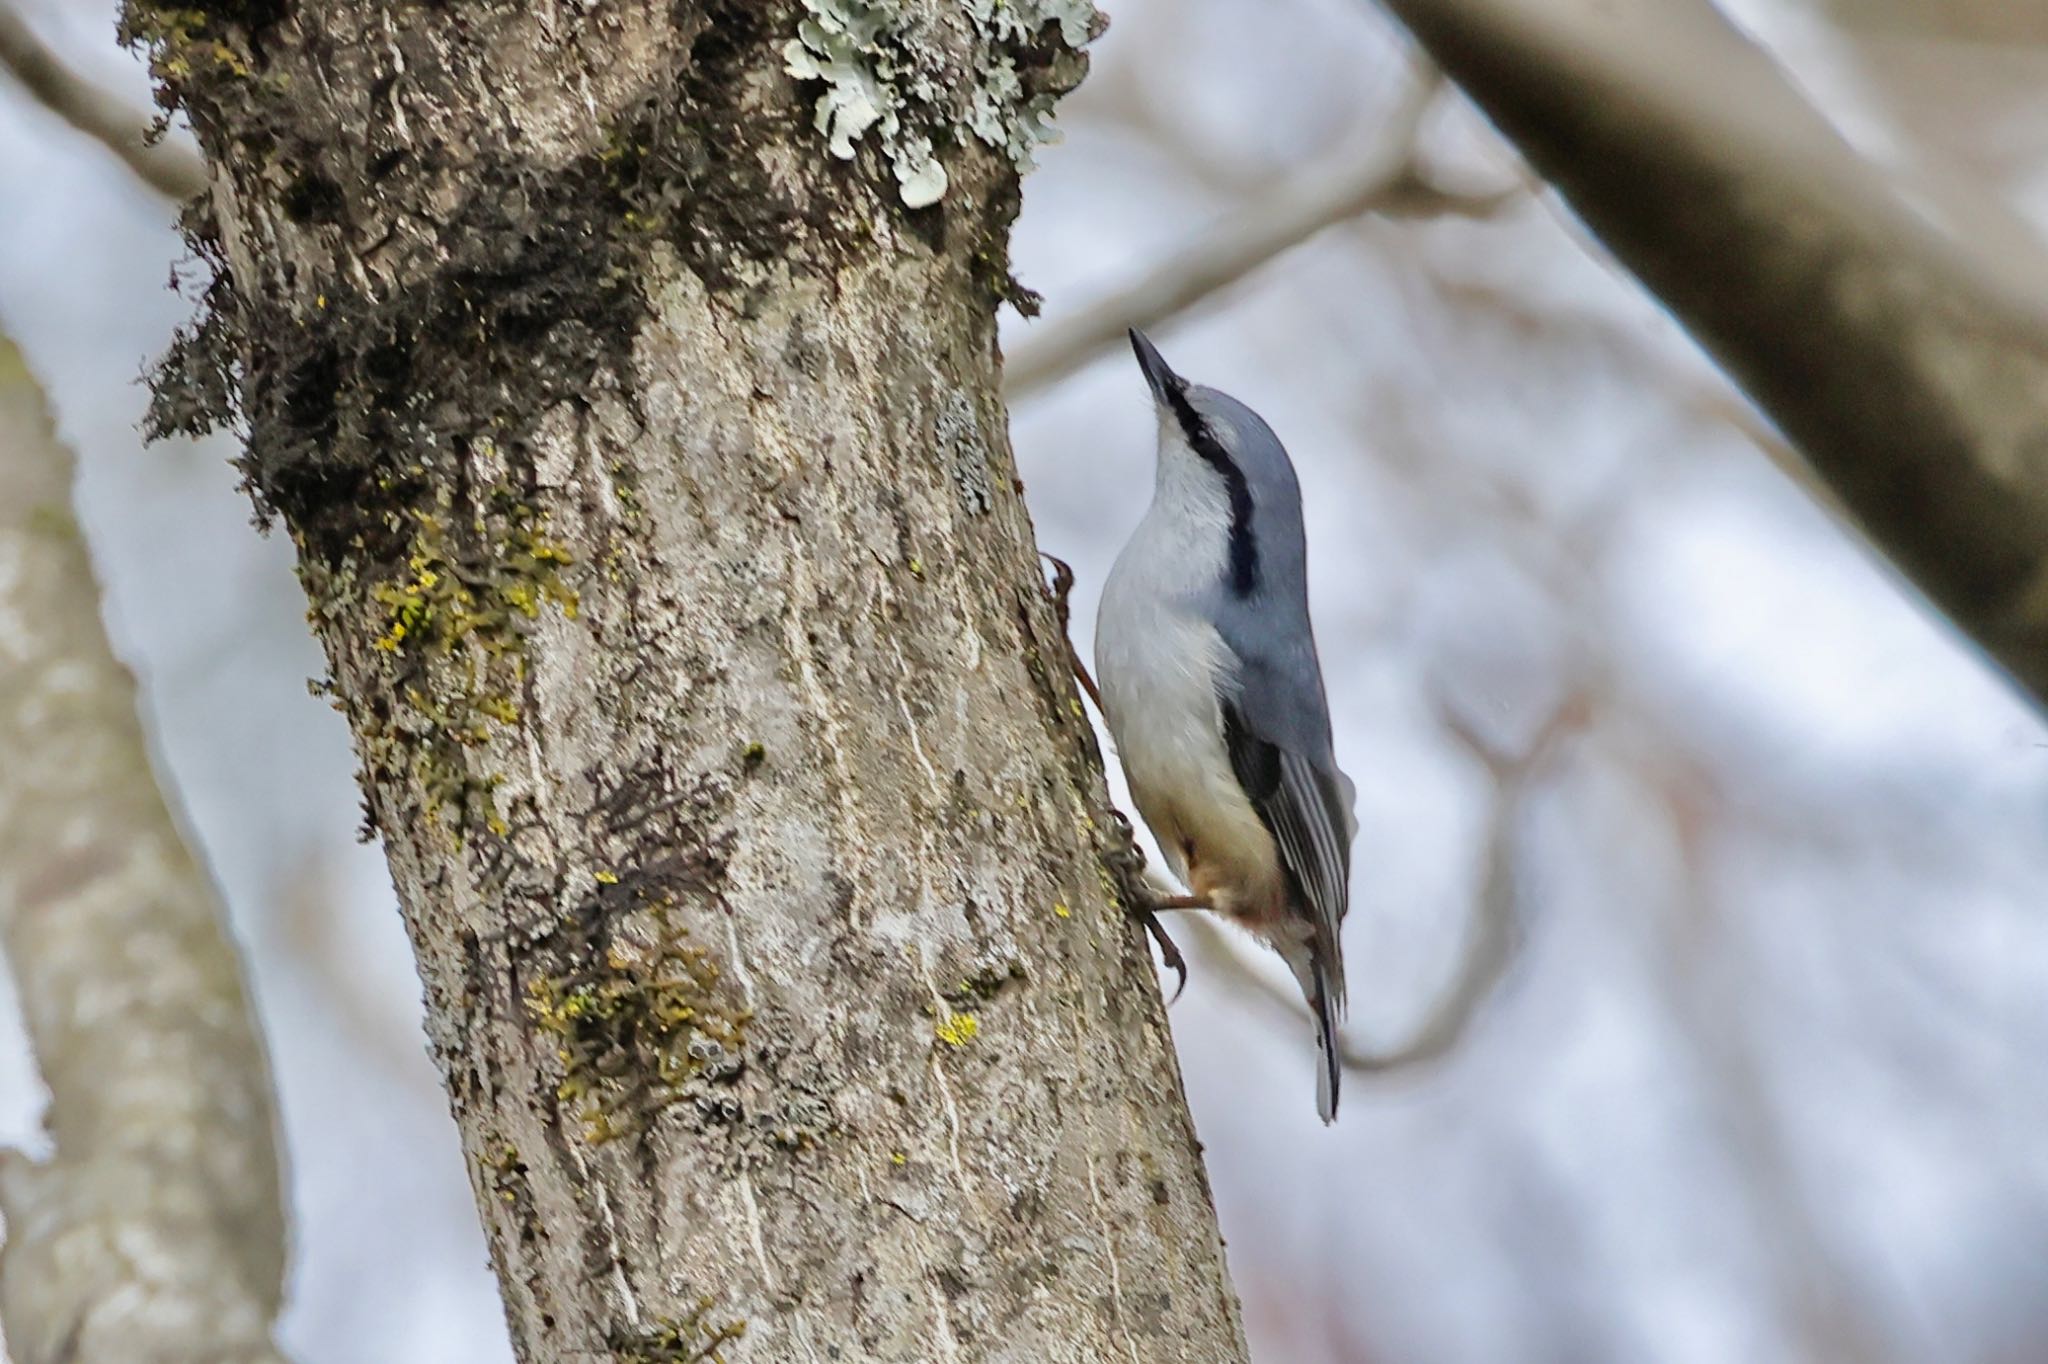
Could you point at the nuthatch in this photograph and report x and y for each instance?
(1214, 696)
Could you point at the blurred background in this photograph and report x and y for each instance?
(1740, 857)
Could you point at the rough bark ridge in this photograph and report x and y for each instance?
(655, 508)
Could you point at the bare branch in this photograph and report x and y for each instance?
(1388, 181)
(156, 1232)
(1911, 371)
(169, 170)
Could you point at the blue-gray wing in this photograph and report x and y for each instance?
(1306, 806)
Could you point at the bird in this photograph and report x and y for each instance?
(1213, 695)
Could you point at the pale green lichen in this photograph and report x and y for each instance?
(886, 77)
(1019, 21)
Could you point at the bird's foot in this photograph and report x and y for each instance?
(1127, 860)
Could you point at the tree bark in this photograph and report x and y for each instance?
(1909, 367)
(653, 501)
(155, 1232)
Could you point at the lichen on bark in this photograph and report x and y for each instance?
(888, 68)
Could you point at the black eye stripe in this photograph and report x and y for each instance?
(1244, 551)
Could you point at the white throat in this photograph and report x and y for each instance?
(1184, 538)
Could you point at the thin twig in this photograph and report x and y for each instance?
(1388, 181)
(100, 114)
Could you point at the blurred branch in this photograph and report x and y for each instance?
(1998, 23)
(169, 170)
(156, 1231)
(1388, 181)
(1703, 398)
(1491, 945)
(1913, 55)
(1911, 370)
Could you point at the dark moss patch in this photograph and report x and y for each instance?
(526, 296)
(640, 1017)
(685, 164)
(313, 198)
(505, 1173)
(515, 323)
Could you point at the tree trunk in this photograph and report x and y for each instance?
(654, 506)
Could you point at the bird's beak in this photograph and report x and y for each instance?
(1157, 372)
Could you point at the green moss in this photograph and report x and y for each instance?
(626, 488)
(453, 629)
(504, 1174)
(643, 1025)
(449, 599)
(185, 43)
(696, 1338)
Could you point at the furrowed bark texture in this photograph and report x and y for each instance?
(654, 505)
(1909, 369)
(155, 1232)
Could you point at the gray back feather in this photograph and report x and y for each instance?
(1280, 677)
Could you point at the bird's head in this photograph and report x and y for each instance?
(1196, 421)
(1219, 460)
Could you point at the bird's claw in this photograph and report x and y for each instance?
(1061, 589)
(1169, 952)
(1127, 860)
(1125, 857)
(1128, 863)
(1062, 586)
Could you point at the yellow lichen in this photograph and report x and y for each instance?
(182, 42)
(454, 625)
(957, 1030)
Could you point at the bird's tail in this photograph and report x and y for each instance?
(1322, 985)
(1322, 999)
